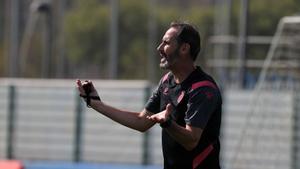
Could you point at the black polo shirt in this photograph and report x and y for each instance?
(197, 102)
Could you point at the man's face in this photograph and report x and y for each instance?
(169, 49)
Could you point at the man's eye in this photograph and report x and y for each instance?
(166, 42)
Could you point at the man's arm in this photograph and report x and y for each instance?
(134, 120)
(202, 104)
(187, 136)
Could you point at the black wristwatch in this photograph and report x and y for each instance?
(88, 99)
(166, 124)
(87, 87)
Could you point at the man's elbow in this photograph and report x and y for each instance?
(193, 139)
(143, 130)
(192, 143)
(190, 146)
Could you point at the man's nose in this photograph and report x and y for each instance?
(159, 47)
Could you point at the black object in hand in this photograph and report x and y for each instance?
(87, 87)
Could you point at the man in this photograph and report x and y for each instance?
(186, 104)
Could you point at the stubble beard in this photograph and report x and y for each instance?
(168, 61)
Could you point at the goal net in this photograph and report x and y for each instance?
(266, 136)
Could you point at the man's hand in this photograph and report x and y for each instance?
(86, 86)
(87, 91)
(162, 116)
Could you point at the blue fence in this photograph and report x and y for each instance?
(66, 165)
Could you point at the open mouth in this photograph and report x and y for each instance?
(163, 57)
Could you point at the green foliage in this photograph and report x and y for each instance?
(87, 29)
(86, 33)
(263, 18)
(2, 60)
(133, 32)
(264, 15)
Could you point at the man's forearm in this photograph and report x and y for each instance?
(188, 137)
(134, 120)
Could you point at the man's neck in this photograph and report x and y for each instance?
(182, 72)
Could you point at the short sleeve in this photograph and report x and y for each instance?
(153, 104)
(202, 103)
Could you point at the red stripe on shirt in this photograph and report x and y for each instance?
(203, 84)
(200, 157)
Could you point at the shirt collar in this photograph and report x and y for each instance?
(186, 81)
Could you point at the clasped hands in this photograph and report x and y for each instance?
(163, 116)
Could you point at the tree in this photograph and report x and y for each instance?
(87, 30)
(2, 60)
(133, 33)
(86, 36)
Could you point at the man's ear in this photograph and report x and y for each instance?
(185, 48)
